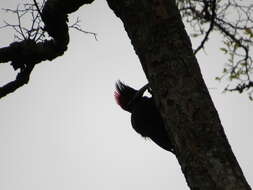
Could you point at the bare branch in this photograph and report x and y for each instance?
(212, 18)
(77, 27)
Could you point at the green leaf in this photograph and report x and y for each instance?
(224, 50)
(194, 35)
(249, 32)
(218, 78)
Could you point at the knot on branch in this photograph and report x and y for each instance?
(24, 53)
(56, 25)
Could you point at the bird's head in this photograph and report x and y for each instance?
(124, 95)
(127, 96)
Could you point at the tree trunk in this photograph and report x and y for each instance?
(164, 49)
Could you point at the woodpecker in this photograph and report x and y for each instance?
(145, 118)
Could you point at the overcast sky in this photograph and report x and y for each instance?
(64, 131)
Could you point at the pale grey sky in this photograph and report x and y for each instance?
(64, 131)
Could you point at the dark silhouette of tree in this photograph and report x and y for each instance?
(157, 33)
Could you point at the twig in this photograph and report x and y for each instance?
(213, 16)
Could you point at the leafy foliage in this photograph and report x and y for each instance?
(233, 19)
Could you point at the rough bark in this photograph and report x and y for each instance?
(164, 49)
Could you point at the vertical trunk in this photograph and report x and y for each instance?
(164, 49)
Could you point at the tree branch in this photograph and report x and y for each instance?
(211, 25)
(34, 47)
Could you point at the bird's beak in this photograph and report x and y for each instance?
(139, 93)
